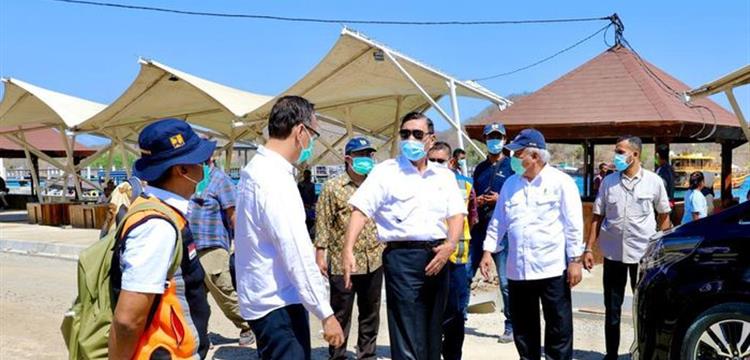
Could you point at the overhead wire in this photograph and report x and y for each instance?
(577, 43)
(328, 21)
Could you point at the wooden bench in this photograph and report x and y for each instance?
(88, 216)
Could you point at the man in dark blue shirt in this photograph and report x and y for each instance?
(489, 177)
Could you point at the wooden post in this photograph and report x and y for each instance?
(726, 174)
(588, 169)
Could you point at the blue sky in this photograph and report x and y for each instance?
(91, 52)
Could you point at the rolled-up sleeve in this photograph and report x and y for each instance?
(661, 200)
(572, 217)
(456, 203)
(371, 194)
(293, 244)
(498, 225)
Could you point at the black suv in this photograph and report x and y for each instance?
(693, 295)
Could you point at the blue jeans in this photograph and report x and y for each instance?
(453, 320)
(476, 250)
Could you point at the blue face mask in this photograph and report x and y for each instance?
(362, 165)
(413, 150)
(495, 146)
(203, 184)
(517, 165)
(307, 152)
(621, 162)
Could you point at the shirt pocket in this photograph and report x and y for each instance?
(404, 202)
(547, 208)
(612, 207)
(513, 211)
(641, 205)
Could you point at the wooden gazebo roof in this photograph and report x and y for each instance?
(47, 140)
(613, 94)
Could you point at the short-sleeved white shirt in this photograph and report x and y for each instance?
(627, 207)
(149, 247)
(695, 202)
(407, 204)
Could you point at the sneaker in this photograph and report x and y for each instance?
(506, 337)
(247, 338)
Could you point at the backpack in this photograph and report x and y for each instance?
(86, 325)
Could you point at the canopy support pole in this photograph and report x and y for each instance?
(32, 168)
(69, 166)
(431, 101)
(396, 127)
(457, 117)
(108, 170)
(40, 154)
(738, 112)
(228, 152)
(326, 151)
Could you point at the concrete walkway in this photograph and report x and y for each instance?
(17, 236)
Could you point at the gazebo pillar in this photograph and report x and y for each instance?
(588, 169)
(726, 173)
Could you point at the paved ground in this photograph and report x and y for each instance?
(36, 290)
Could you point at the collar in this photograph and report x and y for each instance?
(276, 157)
(176, 201)
(638, 175)
(407, 165)
(540, 176)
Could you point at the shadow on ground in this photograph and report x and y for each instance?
(593, 355)
(13, 216)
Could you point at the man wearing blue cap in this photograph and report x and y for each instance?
(489, 177)
(540, 210)
(333, 212)
(278, 281)
(172, 163)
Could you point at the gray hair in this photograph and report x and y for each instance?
(540, 153)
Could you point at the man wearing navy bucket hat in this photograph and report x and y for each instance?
(172, 161)
(540, 210)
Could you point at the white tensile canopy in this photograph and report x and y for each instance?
(367, 87)
(160, 91)
(25, 107)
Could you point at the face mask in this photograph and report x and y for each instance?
(495, 146)
(307, 152)
(621, 162)
(362, 165)
(200, 185)
(413, 150)
(517, 165)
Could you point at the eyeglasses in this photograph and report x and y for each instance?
(315, 134)
(418, 134)
(439, 161)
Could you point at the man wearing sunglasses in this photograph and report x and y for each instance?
(278, 281)
(419, 214)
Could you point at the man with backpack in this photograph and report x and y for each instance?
(161, 310)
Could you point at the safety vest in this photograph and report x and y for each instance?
(461, 254)
(177, 327)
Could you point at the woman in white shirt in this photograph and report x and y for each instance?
(695, 203)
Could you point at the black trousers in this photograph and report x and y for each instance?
(367, 289)
(614, 278)
(554, 294)
(283, 334)
(416, 303)
(454, 323)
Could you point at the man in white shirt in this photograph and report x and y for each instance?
(278, 281)
(419, 213)
(540, 210)
(623, 221)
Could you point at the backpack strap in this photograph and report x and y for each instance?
(154, 204)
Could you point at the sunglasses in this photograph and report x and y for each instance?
(439, 161)
(418, 134)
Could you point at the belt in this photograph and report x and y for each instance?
(414, 244)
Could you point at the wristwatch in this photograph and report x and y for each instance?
(576, 259)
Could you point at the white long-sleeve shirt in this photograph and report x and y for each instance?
(544, 221)
(274, 257)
